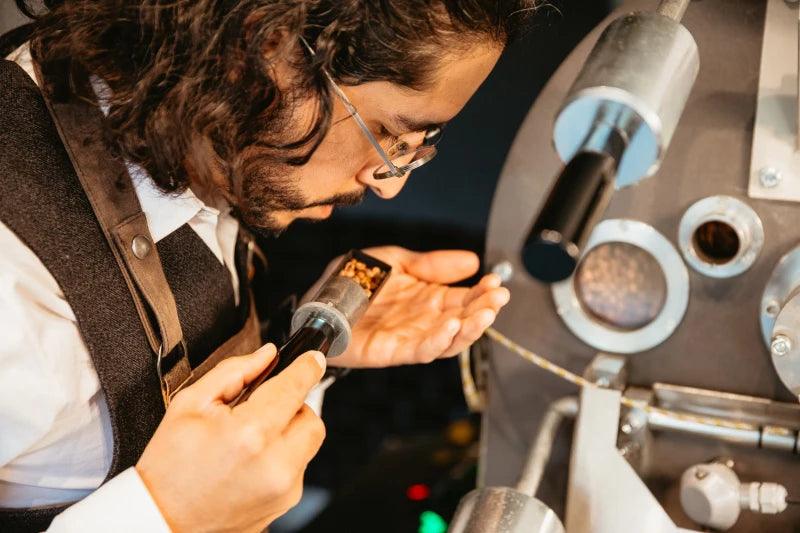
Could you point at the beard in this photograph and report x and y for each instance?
(269, 188)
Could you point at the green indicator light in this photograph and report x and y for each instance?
(430, 522)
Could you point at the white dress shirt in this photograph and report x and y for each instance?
(55, 435)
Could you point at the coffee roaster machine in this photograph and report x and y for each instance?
(647, 222)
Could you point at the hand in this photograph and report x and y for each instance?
(416, 317)
(210, 467)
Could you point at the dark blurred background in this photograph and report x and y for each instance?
(402, 447)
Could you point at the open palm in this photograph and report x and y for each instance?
(417, 317)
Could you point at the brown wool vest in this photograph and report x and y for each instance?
(73, 205)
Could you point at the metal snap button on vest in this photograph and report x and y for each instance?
(141, 246)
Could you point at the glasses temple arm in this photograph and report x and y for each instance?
(354, 113)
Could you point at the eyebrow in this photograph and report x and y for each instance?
(410, 125)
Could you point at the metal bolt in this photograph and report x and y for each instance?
(781, 345)
(141, 246)
(700, 473)
(769, 177)
(634, 421)
(504, 270)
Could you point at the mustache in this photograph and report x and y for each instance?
(341, 200)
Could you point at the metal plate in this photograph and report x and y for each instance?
(775, 161)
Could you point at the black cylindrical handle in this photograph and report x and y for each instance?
(316, 334)
(578, 198)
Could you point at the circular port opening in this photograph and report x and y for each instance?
(621, 286)
(716, 242)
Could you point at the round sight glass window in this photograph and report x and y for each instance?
(621, 285)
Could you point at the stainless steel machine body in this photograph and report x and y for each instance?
(613, 129)
(720, 284)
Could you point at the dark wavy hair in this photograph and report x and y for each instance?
(189, 71)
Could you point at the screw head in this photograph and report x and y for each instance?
(780, 345)
(700, 473)
(504, 270)
(769, 177)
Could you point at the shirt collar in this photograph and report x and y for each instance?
(165, 212)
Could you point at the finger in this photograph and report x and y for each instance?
(471, 330)
(281, 396)
(494, 299)
(486, 283)
(436, 342)
(226, 380)
(456, 296)
(443, 266)
(303, 437)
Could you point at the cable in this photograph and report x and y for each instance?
(475, 400)
(565, 374)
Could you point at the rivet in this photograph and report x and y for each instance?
(141, 246)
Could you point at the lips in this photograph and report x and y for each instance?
(324, 210)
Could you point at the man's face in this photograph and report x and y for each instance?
(341, 169)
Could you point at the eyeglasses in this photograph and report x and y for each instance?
(403, 156)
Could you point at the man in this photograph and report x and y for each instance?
(135, 138)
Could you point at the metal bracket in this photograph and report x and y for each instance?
(775, 159)
(594, 503)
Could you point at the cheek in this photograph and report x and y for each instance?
(335, 164)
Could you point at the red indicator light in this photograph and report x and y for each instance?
(418, 492)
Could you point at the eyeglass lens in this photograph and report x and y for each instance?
(405, 160)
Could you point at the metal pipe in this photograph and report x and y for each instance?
(772, 437)
(673, 9)
(539, 453)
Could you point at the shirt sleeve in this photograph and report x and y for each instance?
(122, 505)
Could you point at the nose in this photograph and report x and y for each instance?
(385, 189)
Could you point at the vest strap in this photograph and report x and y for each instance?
(80, 126)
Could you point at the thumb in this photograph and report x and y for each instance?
(226, 380)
